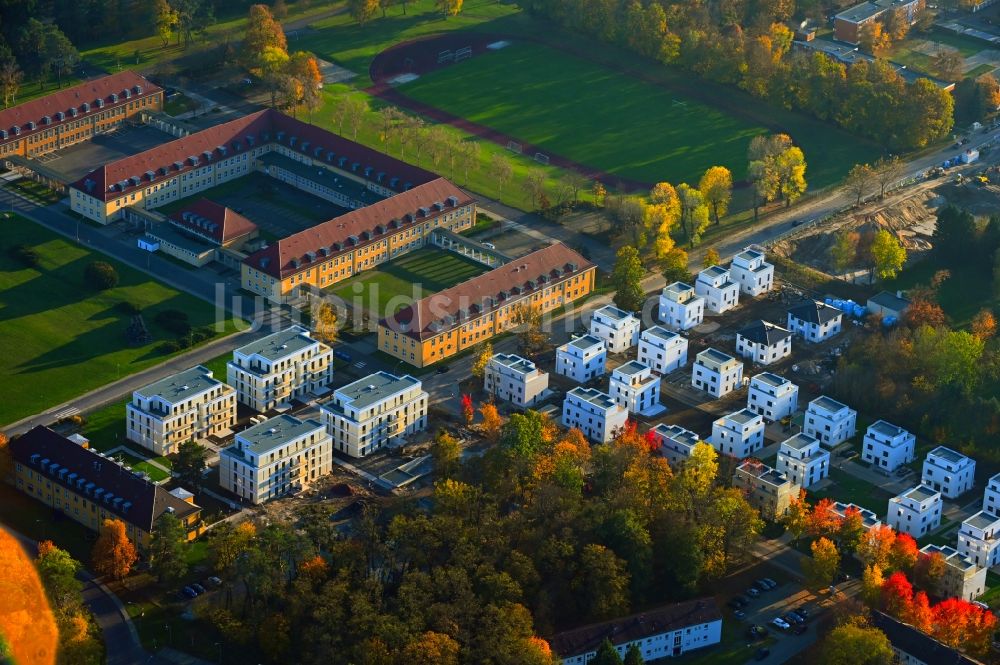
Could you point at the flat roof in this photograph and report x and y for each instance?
(951, 556)
(280, 344)
(750, 255)
(771, 379)
(374, 388)
(800, 441)
(763, 472)
(741, 417)
(862, 12)
(514, 362)
(948, 455)
(594, 396)
(981, 520)
(276, 432)
(182, 385)
(613, 312)
(713, 358)
(660, 332)
(680, 292)
(827, 404)
(632, 367)
(886, 429)
(920, 493)
(714, 271)
(585, 342)
(677, 433)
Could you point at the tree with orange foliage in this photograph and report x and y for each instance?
(303, 68)
(897, 594)
(492, 422)
(875, 546)
(114, 553)
(851, 529)
(6, 463)
(796, 518)
(919, 614)
(431, 648)
(315, 569)
(984, 324)
(468, 411)
(27, 620)
(904, 553)
(928, 570)
(924, 312)
(977, 638)
(823, 521)
(951, 620)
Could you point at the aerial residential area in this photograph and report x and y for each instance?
(500, 332)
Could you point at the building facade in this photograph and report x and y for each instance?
(772, 396)
(283, 366)
(514, 379)
(680, 308)
(89, 487)
(753, 274)
(848, 24)
(917, 511)
(721, 294)
(443, 324)
(991, 497)
(887, 446)
(803, 460)
(829, 421)
(280, 456)
(766, 489)
(187, 406)
(675, 442)
(763, 343)
(978, 539)
(582, 358)
(618, 329)
(374, 412)
(910, 646)
(594, 413)
(962, 578)
(815, 321)
(949, 472)
(662, 349)
(738, 434)
(634, 386)
(716, 372)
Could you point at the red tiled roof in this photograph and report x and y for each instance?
(63, 101)
(228, 224)
(379, 221)
(439, 312)
(263, 126)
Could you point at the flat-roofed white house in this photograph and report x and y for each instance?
(962, 578)
(675, 442)
(887, 446)
(663, 350)
(636, 388)
(582, 359)
(803, 460)
(766, 489)
(680, 307)
(658, 633)
(187, 406)
(978, 539)
(752, 272)
(829, 421)
(738, 434)
(619, 329)
(279, 456)
(772, 396)
(514, 379)
(917, 511)
(594, 413)
(991, 497)
(948, 471)
(763, 343)
(721, 293)
(374, 412)
(815, 321)
(716, 373)
(273, 370)
(869, 519)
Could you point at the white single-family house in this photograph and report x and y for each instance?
(594, 413)
(917, 511)
(619, 329)
(514, 379)
(772, 396)
(815, 321)
(752, 272)
(803, 460)
(582, 359)
(991, 497)
(949, 472)
(662, 349)
(680, 307)
(979, 539)
(829, 421)
(675, 442)
(636, 388)
(716, 373)
(721, 294)
(887, 446)
(763, 343)
(738, 434)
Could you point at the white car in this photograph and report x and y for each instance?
(780, 623)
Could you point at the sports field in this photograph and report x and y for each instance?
(61, 339)
(393, 285)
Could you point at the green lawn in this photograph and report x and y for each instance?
(733, 649)
(63, 339)
(961, 296)
(179, 104)
(36, 191)
(140, 464)
(849, 489)
(412, 276)
(979, 70)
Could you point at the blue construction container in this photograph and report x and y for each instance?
(859, 311)
(889, 321)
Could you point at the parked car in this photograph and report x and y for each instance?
(214, 581)
(802, 612)
(198, 588)
(188, 592)
(793, 619)
(981, 605)
(752, 592)
(771, 582)
(489, 245)
(343, 355)
(756, 632)
(761, 585)
(762, 653)
(778, 622)
(740, 614)
(443, 369)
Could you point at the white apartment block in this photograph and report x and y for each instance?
(680, 307)
(594, 413)
(917, 511)
(829, 421)
(721, 294)
(991, 497)
(772, 396)
(279, 456)
(276, 369)
(374, 412)
(582, 359)
(635, 387)
(675, 442)
(514, 379)
(763, 343)
(962, 578)
(662, 349)
(738, 434)
(887, 446)
(949, 472)
(978, 539)
(803, 460)
(187, 406)
(753, 274)
(716, 372)
(815, 321)
(619, 329)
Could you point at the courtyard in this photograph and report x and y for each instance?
(78, 160)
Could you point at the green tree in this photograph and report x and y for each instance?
(823, 565)
(627, 279)
(675, 266)
(888, 254)
(363, 11)
(694, 213)
(101, 275)
(165, 21)
(856, 643)
(189, 463)
(954, 235)
(859, 181)
(602, 583)
(606, 654)
(450, 7)
(167, 549)
(633, 656)
(501, 170)
(844, 251)
(447, 454)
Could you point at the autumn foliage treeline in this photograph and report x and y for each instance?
(541, 533)
(747, 44)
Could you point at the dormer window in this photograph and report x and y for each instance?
(99, 103)
(16, 130)
(368, 171)
(31, 125)
(138, 89)
(114, 98)
(60, 116)
(85, 107)
(46, 120)
(292, 141)
(73, 112)
(305, 146)
(127, 93)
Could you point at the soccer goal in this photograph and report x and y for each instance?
(446, 56)
(514, 146)
(541, 158)
(463, 53)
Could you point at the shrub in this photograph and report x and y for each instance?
(169, 347)
(101, 275)
(26, 256)
(128, 308)
(174, 321)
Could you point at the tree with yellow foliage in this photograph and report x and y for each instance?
(716, 188)
(492, 422)
(114, 553)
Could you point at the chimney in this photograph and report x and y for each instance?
(899, 294)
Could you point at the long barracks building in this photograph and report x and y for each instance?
(394, 206)
(75, 114)
(466, 314)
